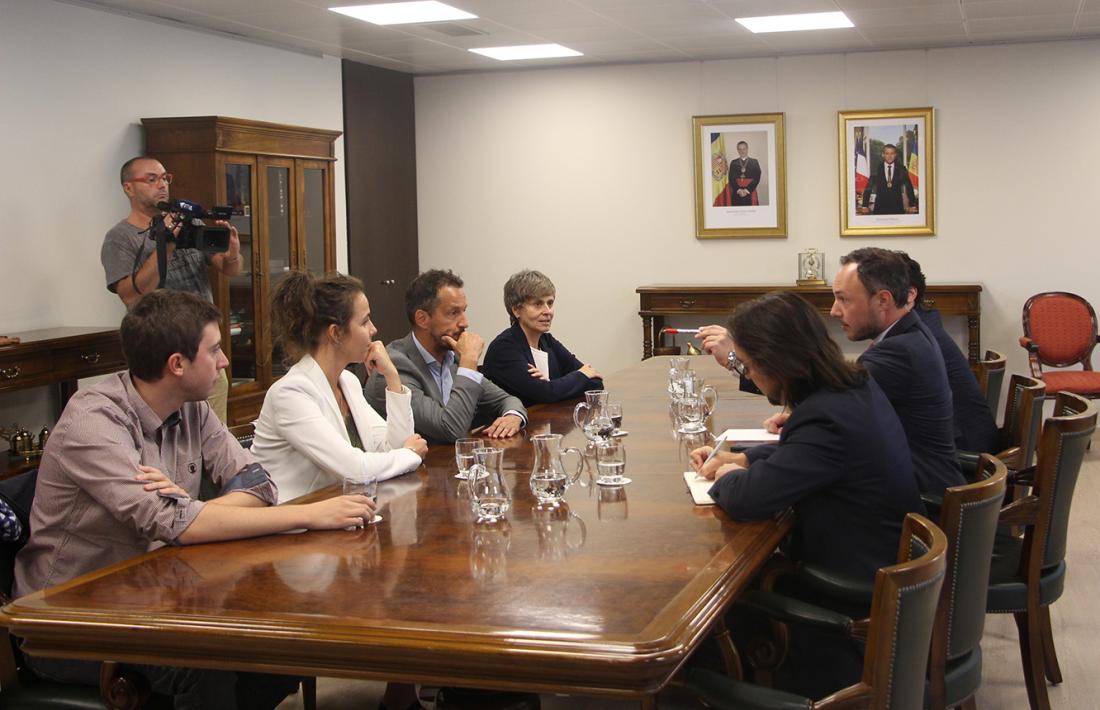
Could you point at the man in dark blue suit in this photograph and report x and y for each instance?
(975, 427)
(871, 297)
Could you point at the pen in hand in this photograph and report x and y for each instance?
(717, 445)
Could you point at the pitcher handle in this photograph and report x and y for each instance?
(584, 532)
(576, 413)
(580, 462)
(711, 403)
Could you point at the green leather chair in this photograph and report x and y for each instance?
(903, 611)
(1029, 573)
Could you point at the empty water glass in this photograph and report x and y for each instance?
(464, 455)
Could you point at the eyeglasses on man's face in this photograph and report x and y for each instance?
(153, 178)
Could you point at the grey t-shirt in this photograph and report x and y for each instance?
(120, 256)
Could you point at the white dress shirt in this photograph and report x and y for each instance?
(303, 444)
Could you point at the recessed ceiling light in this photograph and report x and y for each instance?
(527, 51)
(794, 23)
(403, 13)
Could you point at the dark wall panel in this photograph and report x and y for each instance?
(380, 167)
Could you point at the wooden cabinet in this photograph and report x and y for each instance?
(279, 181)
(55, 356)
(714, 303)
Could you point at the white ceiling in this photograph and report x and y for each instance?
(620, 31)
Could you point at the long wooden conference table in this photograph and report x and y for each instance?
(607, 595)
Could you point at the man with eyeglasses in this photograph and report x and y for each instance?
(129, 256)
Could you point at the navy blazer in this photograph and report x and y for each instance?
(509, 356)
(843, 463)
(908, 365)
(975, 428)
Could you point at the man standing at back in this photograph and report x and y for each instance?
(437, 361)
(129, 256)
(871, 292)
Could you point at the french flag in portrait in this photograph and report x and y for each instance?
(863, 170)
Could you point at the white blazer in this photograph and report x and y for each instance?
(301, 440)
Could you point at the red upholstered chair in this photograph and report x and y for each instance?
(1060, 330)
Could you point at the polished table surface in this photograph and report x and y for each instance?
(607, 595)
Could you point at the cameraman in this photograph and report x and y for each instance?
(129, 256)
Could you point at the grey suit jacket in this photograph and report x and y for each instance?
(470, 404)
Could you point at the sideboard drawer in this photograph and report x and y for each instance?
(687, 302)
(22, 371)
(91, 359)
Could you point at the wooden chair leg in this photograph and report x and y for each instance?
(1050, 656)
(969, 704)
(731, 659)
(649, 702)
(1031, 648)
(309, 693)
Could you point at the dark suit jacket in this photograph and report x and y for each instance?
(470, 404)
(509, 355)
(975, 428)
(843, 463)
(888, 199)
(908, 366)
(752, 172)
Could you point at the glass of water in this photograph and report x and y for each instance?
(490, 498)
(364, 484)
(615, 411)
(464, 455)
(611, 463)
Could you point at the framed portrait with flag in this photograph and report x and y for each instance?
(887, 176)
(740, 176)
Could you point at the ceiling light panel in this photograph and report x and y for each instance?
(526, 51)
(795, 23)
(404, 13)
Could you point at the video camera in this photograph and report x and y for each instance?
(193, 232)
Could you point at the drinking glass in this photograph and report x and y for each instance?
(615, 411)
(678, 366)
(364, 484)
(692, 411)
(610, 464)
(464, 455)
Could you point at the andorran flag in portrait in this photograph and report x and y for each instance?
(719, 172)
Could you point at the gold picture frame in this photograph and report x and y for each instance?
(880, 196)
(748, 203)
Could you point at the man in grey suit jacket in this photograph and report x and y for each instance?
(437, 361)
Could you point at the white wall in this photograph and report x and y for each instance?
(586, 174)
(74, 84)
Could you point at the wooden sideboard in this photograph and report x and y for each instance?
(660, 301)
(58, 356)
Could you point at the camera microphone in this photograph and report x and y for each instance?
(185, 207)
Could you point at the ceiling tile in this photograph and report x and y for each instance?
(1023, 25)
(983, 9)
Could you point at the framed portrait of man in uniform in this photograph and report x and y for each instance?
(740, 176)
(887, 179)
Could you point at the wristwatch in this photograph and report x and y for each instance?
(731, 358)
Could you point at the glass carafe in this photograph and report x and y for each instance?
(490, 498)
(596, 423)
(549, 477)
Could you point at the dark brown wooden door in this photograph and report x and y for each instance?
(380, 170)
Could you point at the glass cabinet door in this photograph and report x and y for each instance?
(313, 179)
(241, 309)
(279, 217)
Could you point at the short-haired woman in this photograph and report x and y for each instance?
(315, 427)
(525, 360)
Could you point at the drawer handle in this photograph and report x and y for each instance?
(90, 359)
(10, 373)
(687, 303)
(929, 302)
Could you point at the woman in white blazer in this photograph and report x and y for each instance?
(315, 427)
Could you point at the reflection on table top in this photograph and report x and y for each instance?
(605, 594)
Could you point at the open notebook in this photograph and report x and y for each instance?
(698, 488)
